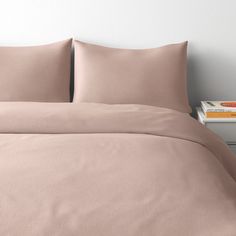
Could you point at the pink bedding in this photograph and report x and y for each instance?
(112, 170)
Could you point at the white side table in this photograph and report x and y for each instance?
(225, 128)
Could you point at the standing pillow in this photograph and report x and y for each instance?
(37, 73)
(154, 77)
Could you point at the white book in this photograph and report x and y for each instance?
(218, 106)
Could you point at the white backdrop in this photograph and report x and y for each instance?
(209, 25)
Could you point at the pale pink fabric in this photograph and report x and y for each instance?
(112, 170)
(37, 73)
(154, 76)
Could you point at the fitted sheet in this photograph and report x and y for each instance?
(95, 169)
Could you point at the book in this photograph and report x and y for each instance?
(220, 114)
(202, 117)
(219, 109)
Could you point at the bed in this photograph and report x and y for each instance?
(125, 158)
(94, 169)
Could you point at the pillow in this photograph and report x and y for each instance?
(155, 77)
(38, 73)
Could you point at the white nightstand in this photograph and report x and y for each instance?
(225, 128)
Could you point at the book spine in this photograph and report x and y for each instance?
(220, 114)
(206, 109)
(220, 110)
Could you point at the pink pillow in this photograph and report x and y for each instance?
(38, 73)
(154, 77)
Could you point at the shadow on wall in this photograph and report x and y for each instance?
(211, 76)
(72, 75)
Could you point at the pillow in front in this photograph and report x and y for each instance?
(155, 77)
(36, 73)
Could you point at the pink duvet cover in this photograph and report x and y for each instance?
(112, 170)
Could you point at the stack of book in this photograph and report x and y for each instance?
(219, 109)
(219, 116)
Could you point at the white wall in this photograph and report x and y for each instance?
(209, 25)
